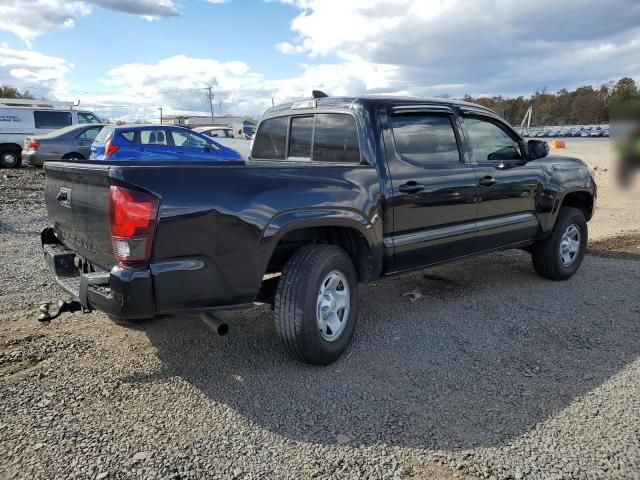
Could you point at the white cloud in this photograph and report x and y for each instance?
(30, 69)
(472, 46)
(30, 18)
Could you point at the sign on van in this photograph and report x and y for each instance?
(13, 120)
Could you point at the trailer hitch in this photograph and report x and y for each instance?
(47, 314)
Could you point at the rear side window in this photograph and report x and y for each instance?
(152, 137)
(89, 134)
(104, 134)
(335, 139)
(128, 135)
(425, 138)
(271, 140)
(44, 119)
(300, 137)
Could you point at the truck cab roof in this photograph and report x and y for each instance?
(366, 100)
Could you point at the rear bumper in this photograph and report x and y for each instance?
(125, 293)
(35, 158)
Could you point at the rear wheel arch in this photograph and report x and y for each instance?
(67, 156)
(360, 249)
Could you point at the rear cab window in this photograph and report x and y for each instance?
(320, 137)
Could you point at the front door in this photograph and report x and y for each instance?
(433, 188)
(508, 185)
(190, 147)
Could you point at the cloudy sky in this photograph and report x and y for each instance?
(126, 58)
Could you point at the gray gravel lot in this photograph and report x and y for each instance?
(491, 373)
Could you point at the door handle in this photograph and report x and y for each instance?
(487, 181)
(411, 187)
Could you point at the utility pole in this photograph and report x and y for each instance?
(211, 101)
(220, 109)
(160, 115)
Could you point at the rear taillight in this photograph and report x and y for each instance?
(132, 222)
(32, 144)
(110, 148)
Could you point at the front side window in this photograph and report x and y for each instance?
(271, 140)
(425, 137)
(490, 142)
(152, 137)
(336, 139)
(44, 119)
(186, 139)
(87, 117)
(300, 137)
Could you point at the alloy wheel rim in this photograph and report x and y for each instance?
(570, 245)
(333, 305)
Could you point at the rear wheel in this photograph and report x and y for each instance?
(73, 157)
(316, 304)
(559, 256)
(10, 158)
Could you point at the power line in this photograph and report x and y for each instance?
(95, 92)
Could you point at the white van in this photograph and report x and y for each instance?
(21, 118)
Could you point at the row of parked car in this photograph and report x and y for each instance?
(598, 131)
(133, 142)
(33, 132)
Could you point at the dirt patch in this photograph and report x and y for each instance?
(626, 246)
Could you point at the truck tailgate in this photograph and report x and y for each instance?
(77, 197)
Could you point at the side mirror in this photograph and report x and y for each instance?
(537, 149)
(207, 148)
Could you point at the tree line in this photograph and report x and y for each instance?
(585, 105)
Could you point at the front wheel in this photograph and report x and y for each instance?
(316, 304)
(559, 256)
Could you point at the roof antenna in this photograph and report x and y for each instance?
(318, 94)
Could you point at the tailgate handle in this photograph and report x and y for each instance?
(64, 197)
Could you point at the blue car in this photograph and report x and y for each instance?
(158, 142)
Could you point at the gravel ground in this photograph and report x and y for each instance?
(491, 372)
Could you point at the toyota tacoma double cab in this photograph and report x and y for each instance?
(337, 192)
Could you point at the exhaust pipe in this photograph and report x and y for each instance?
(214, 323)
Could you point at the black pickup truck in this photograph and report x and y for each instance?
(337, 192)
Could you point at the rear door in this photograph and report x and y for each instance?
(433, 187)
(82, 142)
(153, 144)
(507, 185)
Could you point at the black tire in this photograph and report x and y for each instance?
(73, 157)
(546, 255)
(10, 158)
(296, 303)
